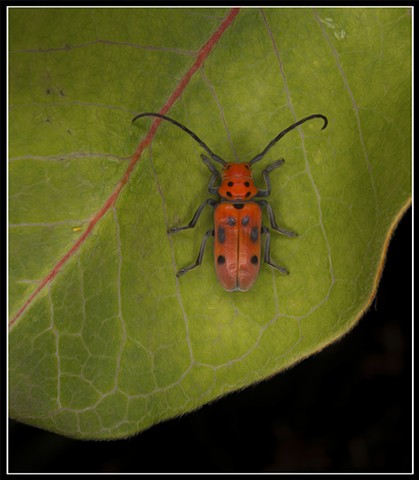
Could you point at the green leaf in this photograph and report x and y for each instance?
(114, 342)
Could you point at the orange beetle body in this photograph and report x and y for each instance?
(237, 214)
(237, 229)
(237, 244)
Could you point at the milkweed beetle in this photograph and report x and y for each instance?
(237, 215)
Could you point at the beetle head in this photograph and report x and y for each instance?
(237, 182)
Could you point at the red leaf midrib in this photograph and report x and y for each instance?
(202, 55)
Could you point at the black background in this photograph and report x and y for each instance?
(346, 409)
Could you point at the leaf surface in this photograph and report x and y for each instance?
(114, 342)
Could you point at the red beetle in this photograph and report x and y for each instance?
(237, 215)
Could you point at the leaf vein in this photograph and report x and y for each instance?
(67, 48)
(307, 164)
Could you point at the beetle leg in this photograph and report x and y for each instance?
(272, 220)
(211, 188)
(215, 175)
(267, 256)
(192, 223)
(182, 271)
(264, 192)
(208, 163)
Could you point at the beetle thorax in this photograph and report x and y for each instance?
(237, 182)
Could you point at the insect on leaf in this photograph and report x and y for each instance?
(104, 340)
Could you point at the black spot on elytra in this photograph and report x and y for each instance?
(254, 260)
(221, 233)
(245, 220)
(254, 234)
(221, 259)
(247, 194)
(230, 184)
(239, 206)
(229, 194)
(231, 221)
(246, 184)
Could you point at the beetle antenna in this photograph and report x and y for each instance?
(284, 132)
(185, 129)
